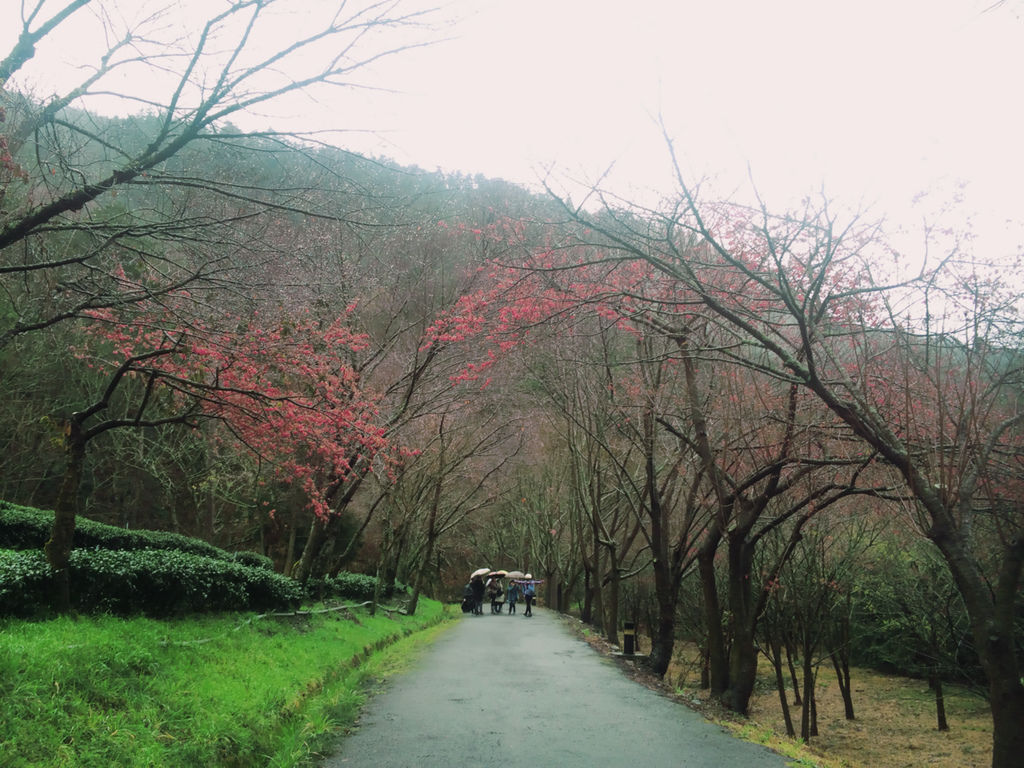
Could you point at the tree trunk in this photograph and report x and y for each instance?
(388, 574)
(743, 651)
(62, 535)
(612, 609)
(392, 553)
(1007, 733)
(597, 615)
(718, 661)
(611, 622)
(666, 588)
(663, 638)
(289, 556)
(841, 664)
(428, 555)
(780, 683)
(788, 643)
(840, 655)
(414, 599)
(663, 630)
(935, 683)
(742, 668)
(317, 534)
(808, 670)
(991, 614)
(320, 530)
(587, 612)
(376, 592)
(814, 706)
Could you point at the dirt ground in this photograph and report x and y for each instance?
(895, 725)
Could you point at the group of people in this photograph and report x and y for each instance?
(499, 594)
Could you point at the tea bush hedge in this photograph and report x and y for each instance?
(156, 573)
(148, 581)
(29, 528)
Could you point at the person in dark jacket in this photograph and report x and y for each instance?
(477, 583)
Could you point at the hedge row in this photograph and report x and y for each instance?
(25, 528)
(346, 586)
(148, 581)
(149, 572)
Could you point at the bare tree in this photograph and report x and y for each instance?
(941, 406)
(604, 467)
(81, 195)
(459, 476)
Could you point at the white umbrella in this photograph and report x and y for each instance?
(479, 572)
(516, 575)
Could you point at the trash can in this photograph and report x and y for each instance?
(629, 638)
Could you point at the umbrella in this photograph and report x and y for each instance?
(497, 574)
(479, 572)
(516, 575)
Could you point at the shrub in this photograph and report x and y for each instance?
(25, 583)
(253, 560)
(354, 586)
(344, 586)
(151, 582)
(25, 528)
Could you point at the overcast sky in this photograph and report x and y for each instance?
(876, 99)
(825, 86)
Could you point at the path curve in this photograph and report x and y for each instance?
(517, 692)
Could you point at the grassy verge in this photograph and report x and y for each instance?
(225, 690)
(314, 730)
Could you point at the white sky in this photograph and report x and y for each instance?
(805, 88)
(877, 99)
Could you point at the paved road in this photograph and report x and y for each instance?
(516, 692)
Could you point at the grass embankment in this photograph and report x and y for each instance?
(227, 690)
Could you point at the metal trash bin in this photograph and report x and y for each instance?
(629, 638)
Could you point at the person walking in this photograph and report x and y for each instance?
(477, 584)
(468, 602)
(529, 593)
(494, 592)
(513, 597)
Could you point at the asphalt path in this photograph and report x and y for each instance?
(517, 692)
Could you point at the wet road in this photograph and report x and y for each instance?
(516, 692)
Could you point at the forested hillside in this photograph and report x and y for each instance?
(354, 266)
(725, 423)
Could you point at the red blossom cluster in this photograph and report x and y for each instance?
(282, 389)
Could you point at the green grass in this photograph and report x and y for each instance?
(315, 729)
(104, 691)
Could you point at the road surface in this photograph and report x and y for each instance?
(516, 692)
